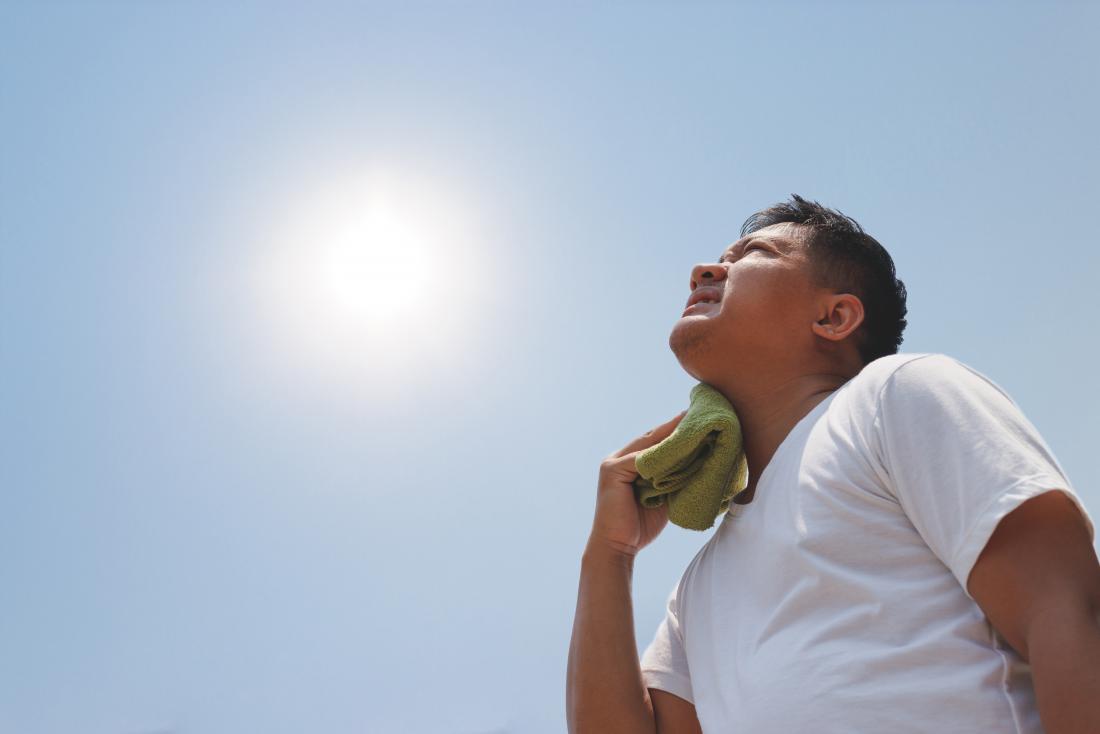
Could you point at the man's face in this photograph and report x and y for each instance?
(766, 306)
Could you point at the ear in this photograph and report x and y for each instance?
(840, 315)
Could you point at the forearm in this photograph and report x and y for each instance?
(1064, 652)
(605, 691)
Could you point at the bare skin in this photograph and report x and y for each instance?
(605, 691)
(775, 346)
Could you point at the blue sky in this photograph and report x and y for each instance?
(239, 497)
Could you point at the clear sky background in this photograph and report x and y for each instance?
(316, 321)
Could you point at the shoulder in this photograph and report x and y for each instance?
(875, 375)
(905, 385)
(862, 394)
(913, 375)
(934, 388)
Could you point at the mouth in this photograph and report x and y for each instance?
(699, 307)
(706, 293)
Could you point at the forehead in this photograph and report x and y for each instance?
(786, 236)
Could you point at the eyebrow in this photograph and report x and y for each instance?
(745, 241)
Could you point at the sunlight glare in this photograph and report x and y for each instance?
(366, 268)
(372, 277)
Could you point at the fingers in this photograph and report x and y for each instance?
(650, 438)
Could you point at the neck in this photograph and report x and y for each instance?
(769, 410)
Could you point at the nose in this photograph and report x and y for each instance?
(707, 275)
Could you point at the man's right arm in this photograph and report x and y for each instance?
(605, 691)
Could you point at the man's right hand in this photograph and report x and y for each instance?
(622, 524)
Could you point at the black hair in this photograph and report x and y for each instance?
(848, 260)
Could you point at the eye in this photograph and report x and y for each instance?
(748, 248)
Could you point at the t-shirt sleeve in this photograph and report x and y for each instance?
(664, 662)
(960, 455)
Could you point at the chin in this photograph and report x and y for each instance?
(692, 350)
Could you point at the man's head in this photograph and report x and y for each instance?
(804, 288)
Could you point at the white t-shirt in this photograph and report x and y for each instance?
(836, 600)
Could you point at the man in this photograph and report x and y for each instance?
(908, 556)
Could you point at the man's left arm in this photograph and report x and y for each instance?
(1038, 582)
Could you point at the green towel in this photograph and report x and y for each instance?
(700, 467)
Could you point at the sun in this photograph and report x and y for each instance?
(374, 278)
(367, 272)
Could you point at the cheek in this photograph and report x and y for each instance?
(747, 299)
(758, 308)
